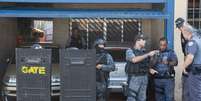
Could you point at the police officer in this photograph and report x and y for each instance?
(163, 72)
(192, 59)
(3, 66)
(37, 35)
(137, 69)
(77, 39)
(104, 65)
(185, 86)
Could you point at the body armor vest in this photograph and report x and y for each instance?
(140, 68)
(101, 58)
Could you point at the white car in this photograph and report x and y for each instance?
(9, 80)
(118, 78)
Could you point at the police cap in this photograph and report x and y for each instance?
(139, 36)
(179, 22)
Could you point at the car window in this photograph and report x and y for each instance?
(118, 55)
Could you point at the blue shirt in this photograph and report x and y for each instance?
(191, 47)
(194, 47)
(129, 54)
(166, 55)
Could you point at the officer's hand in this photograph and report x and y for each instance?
(184, 71)
(152, 71)
(152, 53)
(99, 66)
(165, 62)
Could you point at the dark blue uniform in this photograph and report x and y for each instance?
(164, 79)
(185, 87)
(194, 47)
(102, 75)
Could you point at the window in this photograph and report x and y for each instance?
(194, 13)
(112, 30)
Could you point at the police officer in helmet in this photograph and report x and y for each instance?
(192, 59)
(137, 69)
(77, 40)
(163, 72)
(104, 65)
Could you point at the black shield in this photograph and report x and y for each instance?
(33, 74)
(78, 75)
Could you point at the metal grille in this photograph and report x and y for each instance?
(33, 74)
(112, 30)
(194, 13)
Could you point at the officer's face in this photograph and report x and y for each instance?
(163, 45)
(142, 42)
(185, 32)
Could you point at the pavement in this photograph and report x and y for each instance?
(117, 97)
(113, 97)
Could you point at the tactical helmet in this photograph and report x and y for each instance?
(179, 22)
(99, 42)
(36, 46)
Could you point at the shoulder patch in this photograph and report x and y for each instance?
(190, 43)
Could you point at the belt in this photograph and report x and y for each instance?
(137, 74)
(166, 75)
(163, 77)
(196, 65)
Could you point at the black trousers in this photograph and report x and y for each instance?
(102, 92)
(2, 73)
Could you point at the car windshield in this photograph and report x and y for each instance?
(118, 54)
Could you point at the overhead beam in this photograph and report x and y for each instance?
(82, 13)
(85, 1)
